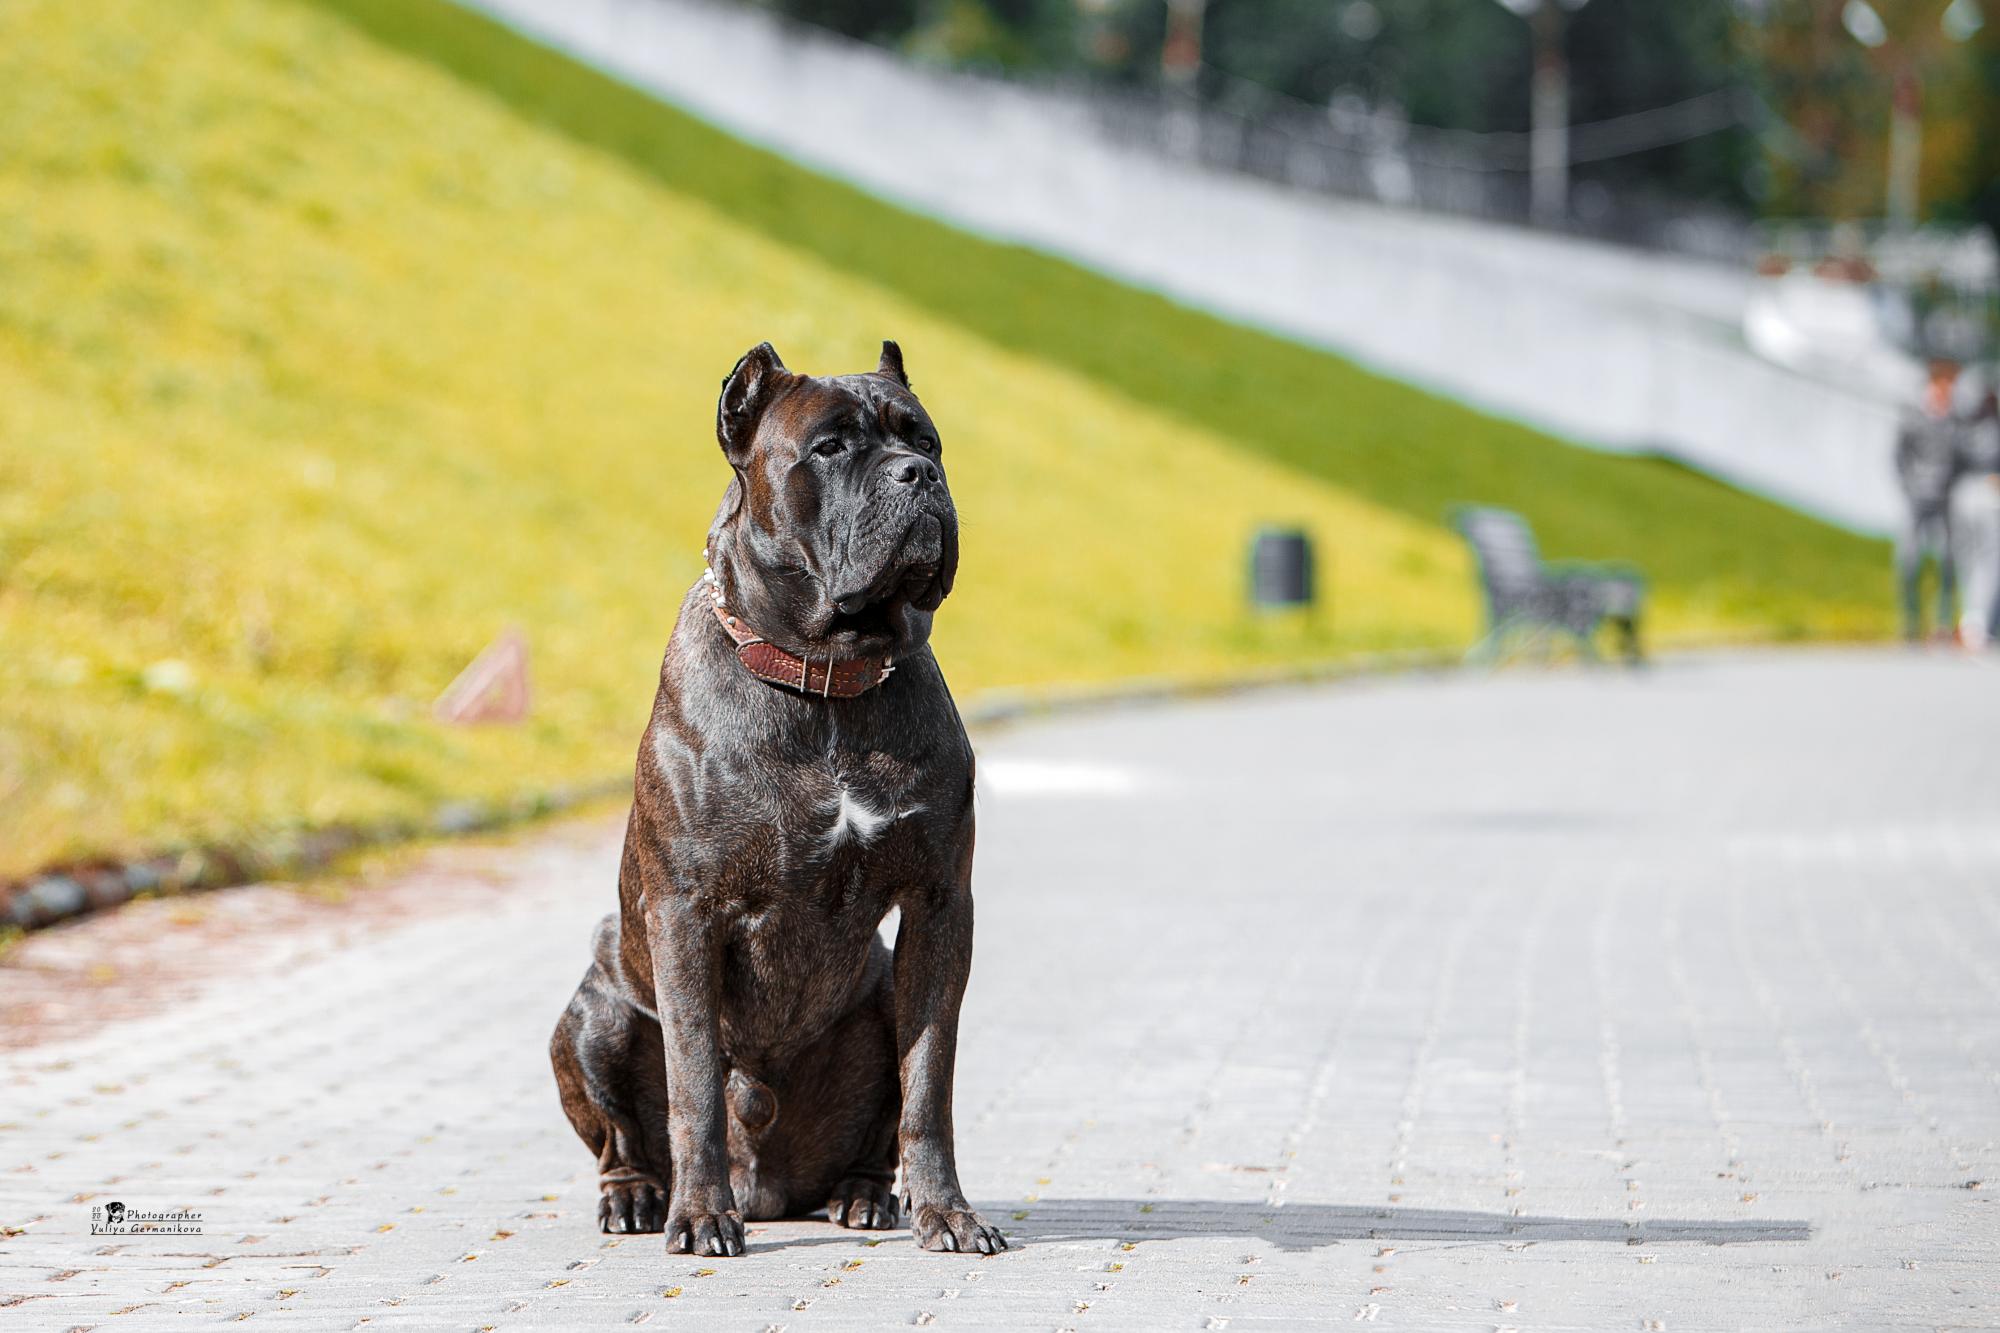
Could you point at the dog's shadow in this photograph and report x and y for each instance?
(1304, 1226)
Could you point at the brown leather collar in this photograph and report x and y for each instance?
(832, 678)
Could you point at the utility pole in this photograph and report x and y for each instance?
(1180, 72)
(1548, 119)
(1548, 108)
(1180, 54)
(1906, 148)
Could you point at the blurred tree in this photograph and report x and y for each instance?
(975, 34)
(1975, 196)
(1453, 64)
(1003, 34)
(1830, 71)
(1465, 65)
(1632, 56)
(1812, 74)
(869, 20)
(1459, 64)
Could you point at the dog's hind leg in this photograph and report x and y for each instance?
(611, 1075)
(822, 1132)
(865, 1196)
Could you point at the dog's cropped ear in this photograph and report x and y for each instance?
(891, 366)
(747, 391)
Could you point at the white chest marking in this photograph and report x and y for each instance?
(857, 820)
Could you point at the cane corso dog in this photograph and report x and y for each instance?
(744, 1045)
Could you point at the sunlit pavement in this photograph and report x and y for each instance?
(1579, 1000)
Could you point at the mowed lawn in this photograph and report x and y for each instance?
(323, 360)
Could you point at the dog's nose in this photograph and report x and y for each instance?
(915, 472)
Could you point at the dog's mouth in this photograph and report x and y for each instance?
(871, 612)
(875, 616)
(868, 620)
(881, 603)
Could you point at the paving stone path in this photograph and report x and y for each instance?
(1596, 1001)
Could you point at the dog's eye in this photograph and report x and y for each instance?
(927, 444)
(830, 446)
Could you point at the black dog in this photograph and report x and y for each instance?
(744, 1045)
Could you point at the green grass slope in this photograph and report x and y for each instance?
(321, 363)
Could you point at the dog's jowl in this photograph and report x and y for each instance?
(744, 1045)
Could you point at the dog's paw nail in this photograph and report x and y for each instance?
(628, 1206)
(955, 1230)
(715, 1234)
(862, 1205)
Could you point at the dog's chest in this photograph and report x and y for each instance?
(844, 834)
(852, 839)
(855, 834)
(836, 800)
(851, 812)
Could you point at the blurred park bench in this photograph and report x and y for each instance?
(1532, 602)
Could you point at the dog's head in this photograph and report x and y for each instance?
(837, 535)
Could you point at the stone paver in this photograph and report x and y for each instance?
(1593, 1001)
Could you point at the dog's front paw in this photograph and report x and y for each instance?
(956, 1229)
(866, 1205)
(630, 1204)
(695, 1229)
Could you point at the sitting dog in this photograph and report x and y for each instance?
(744, 1044)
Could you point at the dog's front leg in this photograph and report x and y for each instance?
(933, 959)
(701, 1208)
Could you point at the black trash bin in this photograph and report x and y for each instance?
(1281, 568)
